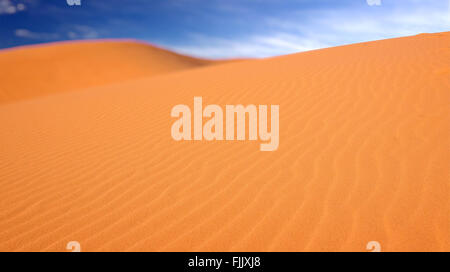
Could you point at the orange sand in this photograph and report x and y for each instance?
(28, 72)
(364, 151)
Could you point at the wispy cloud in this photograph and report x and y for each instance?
(8, 7)
(253, 46)
(374, 2)
(302, 30)
(75, 32)
(224, 29)
(25, 33)
(82, 32)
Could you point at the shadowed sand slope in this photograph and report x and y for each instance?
(31, 71)
(364, 156)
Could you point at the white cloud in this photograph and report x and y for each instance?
(79, 32)
(374, 2)
(253, 46)
(313, 29)
(395, 22)
(25, 33)
(7, 7)
(76, 32)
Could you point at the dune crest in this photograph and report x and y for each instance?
(363, 158)
(30, 71)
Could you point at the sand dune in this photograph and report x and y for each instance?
(31, 71)
(363, 156)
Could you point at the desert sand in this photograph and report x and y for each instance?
(31, 71)
(363, 156)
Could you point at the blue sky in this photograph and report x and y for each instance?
(222, 28)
